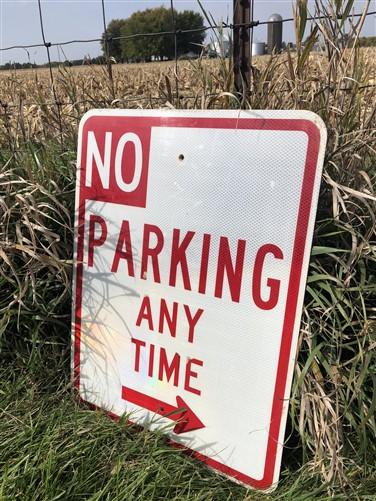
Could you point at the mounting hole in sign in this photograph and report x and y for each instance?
(181, 157)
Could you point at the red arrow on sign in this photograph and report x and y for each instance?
(186, 419)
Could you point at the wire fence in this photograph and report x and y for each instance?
(241, 32)
(177, 32)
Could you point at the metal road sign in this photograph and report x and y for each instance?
(193, 236)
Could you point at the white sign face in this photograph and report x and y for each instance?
(193, 241)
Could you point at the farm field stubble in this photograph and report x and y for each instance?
(29, 112)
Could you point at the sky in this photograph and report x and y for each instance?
(72, 19)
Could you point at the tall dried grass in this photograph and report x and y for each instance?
(333, 399)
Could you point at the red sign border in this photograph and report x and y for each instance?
(304, 213)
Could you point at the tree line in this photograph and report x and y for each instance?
(143, 48)
(13, 65)
(157, 47)
(367, 41)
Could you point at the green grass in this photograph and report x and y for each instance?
(53, 447)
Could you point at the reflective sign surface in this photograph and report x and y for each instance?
(193, 234)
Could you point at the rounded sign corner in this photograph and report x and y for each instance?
(87, 116)
(318, 122)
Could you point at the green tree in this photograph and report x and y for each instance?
(144, 48)
(113, 31)
(190, 42)
(367, 41)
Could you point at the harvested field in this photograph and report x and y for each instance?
(29, 113)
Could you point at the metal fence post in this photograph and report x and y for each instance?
(241, 44)
(107, 48)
